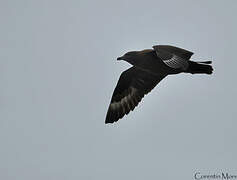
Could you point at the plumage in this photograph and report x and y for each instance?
(150, 66)
(173, 57)
(174, 50)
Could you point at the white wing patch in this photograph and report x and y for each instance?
(127, 101)
(176, 62)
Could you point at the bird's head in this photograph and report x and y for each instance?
(130, 57)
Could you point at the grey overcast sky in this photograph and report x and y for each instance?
(58, 70)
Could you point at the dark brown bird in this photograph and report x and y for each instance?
(150, 66)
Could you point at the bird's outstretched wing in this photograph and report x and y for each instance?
(132, 85)
(173, 57)
(185, 54)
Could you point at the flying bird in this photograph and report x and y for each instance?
(150, 66)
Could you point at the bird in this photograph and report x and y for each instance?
(149, 67)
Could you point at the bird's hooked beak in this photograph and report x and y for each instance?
(120, 58)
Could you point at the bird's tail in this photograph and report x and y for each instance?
(200, 67)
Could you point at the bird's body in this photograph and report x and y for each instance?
(153, 63)
(150, 66)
